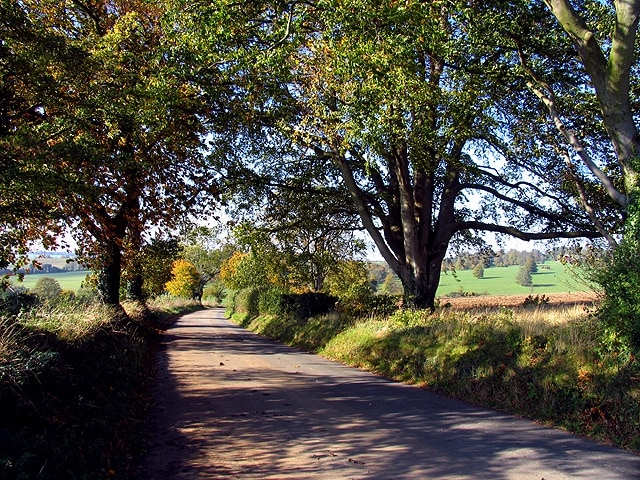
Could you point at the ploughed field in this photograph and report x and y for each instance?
(487, 301)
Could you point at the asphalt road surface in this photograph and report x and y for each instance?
(231, 404)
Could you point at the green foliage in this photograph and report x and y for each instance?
(134, 160)
(349, 281)
(185, 279)
(214, 291)
(620, 309)
(207, 260)
(478, 270)
(301, 256)
(246, 302)
(306, 305)
(156, 261)
(47, 289)
(524, 277)
(531, 265)
(245, 270)
(253, 302)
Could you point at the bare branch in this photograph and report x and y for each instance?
(522, 235)
(287, 31)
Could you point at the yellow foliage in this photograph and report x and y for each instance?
(229, 270)
(185, 279)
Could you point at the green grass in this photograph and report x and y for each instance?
(67, 280)
(552, 277)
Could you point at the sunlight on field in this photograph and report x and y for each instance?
(552, 277)
(67, 280)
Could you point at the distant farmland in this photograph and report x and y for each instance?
(67, 280)
(552, 277)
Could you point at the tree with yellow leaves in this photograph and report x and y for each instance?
(185, 279)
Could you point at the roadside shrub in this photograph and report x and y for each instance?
(252, 302)
(306, 305)
(246, 301)
(537, 301)
(214, 291)
(70, 380)
(86, 295)
(269, 300)
(349, 282)
(620, 309)
(15, 300)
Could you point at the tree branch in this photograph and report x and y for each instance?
(524, 205)
(585, 203)
(526, 236)
(545, 93)
(365, 216)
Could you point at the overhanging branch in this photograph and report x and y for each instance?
(522, 235)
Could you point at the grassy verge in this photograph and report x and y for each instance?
(547, 363)
(73, 389)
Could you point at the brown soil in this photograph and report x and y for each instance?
(488, 301)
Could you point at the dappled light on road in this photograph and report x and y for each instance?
(231, 404)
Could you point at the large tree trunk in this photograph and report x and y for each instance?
(110, 273)
(134, 274)
(421, 281)
(418, 291)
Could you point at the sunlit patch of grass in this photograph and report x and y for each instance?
(164, 309)
(69, 323)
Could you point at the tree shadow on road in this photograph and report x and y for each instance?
(224, 414)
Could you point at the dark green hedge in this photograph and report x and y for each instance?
(276, 301)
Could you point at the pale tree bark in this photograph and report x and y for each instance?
(610, 78)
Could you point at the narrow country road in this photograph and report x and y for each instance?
(230, 404)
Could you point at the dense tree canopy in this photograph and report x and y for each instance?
(21, 185)
(422, 123)
(404, 107)
(119, 130)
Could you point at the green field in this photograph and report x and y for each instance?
(67, 280)
(552, 277)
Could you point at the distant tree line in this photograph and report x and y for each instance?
(501, 258)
